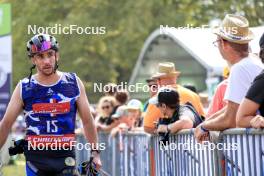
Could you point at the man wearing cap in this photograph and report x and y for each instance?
(134, 108)
(167, 76)
(125, 122)
(176, 116)
(232, 41)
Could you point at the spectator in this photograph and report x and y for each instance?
(105, 107)
(126, 123)
(110, 89)
(176, 116)
(153, 88)
(167, 76)
(251, 110)
(204, 100)
(261, 44)
(121, 97)
(134, 108)
(218, 101)
(233, 46)
(190, 87)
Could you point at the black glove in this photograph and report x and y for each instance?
(88, 168)
(18, 147)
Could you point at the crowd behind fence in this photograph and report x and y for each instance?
(235, 152)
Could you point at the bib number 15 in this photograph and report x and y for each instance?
(52, 126)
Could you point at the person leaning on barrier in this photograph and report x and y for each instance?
(175, 116)
(50, 100)
(232, 41)
(251, 110)
(134, 109)
(167, 76)
(126, 123)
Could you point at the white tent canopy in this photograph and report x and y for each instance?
(198, 43)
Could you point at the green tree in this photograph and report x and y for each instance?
(112, 56)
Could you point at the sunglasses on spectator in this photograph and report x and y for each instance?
(105, 107)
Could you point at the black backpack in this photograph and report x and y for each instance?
(197, 118)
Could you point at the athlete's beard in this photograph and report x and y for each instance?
(54, 68)
(34, 66)
(47, 73)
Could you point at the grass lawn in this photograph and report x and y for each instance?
(17, 169)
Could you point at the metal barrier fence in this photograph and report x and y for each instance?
(126, 154)
(134, 154)
(237, 152)
(248, 158)
(183, 156)
(81, 155)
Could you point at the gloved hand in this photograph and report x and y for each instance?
(18, 147)
(88, 168)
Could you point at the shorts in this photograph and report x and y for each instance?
(31, 170)
(50, 163)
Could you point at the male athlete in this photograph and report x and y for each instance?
(50, 100)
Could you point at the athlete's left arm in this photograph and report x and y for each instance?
(88, 122)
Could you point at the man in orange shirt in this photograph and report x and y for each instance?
(167, 76)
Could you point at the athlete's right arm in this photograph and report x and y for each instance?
(14, 108)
